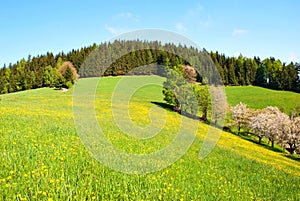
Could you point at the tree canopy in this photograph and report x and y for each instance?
(39, 71)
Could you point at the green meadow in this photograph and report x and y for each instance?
(258, 97)
(43, 158)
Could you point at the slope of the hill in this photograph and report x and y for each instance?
(258, 97)
(43, 158)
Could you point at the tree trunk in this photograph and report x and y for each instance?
(259, 139)
(291, 149)
(204, 116)
(272, 143)
(239, 129)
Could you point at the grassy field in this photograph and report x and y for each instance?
(43, 158)
(258, 97)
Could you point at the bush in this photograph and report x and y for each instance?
(69, 85)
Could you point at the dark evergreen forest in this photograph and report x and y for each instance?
(39, 71)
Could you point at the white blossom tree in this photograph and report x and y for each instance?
(296, 135)
(260, 124)
(291, 136)
(268, 123)
(241, 116)
(277, 127)
(278, 122)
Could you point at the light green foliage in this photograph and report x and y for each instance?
(203, 98)
(178, 90)
(5, 88)
(181, 90)
(50, 77)
(20, 82)
(173, 82)
(59, 63)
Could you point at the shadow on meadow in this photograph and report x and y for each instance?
(163, 105)
(251, 138)
(172, 108)
(243, 135)
(265, 144)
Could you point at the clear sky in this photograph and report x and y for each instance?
(258, 27)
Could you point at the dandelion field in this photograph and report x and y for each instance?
(43, 158)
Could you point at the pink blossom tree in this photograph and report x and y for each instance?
(260, 124)
(277, 127)
(291, 136)
(241, 116)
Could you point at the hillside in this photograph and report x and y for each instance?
(42, 156)
(259, 98)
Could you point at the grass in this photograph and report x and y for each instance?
(258, 97)
(43, 158)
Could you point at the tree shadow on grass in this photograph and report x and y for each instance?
(264, 144)
(293, 157)
(171, 108)
(248, 137)
(163, 105)
(243, 135)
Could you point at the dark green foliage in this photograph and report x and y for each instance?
(35, 72)
(39, 71)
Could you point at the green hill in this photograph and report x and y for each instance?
(43, 158)
(258, 97)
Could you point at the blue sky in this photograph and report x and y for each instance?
(262, 28)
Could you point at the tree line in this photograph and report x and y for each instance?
(31, 73)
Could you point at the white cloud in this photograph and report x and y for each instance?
(119, 20)
(206, 22)
(113, 30)
(127, 16)
(196, 17)
(199, 7)
(238, 32)
(180, 27)
(237, 54)
(293, 57)
(195, 10)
